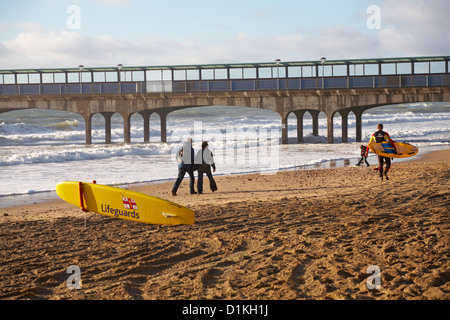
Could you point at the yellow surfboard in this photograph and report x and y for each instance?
(404, 149)
(123, 204)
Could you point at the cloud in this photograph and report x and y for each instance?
(408, 28)
(415, 27)
(66, 49)
(28, 26)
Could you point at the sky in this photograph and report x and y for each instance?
(102, 33)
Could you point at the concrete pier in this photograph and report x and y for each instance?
(339, 87)
(280, 102)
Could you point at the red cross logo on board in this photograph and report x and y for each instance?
(129, 203)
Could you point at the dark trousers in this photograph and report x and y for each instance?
(363, 159)
(181, 173)
(212, 182)
(381, 160)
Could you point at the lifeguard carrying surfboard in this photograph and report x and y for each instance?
(385, 149)
(123, 204)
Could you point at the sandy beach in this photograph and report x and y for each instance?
(307, 234)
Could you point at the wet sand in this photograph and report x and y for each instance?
(308, 234)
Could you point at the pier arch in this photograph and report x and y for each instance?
(106, 120)
(351, 121)
(155, 122)
(308, 123)
(213, 113)
(292, 121)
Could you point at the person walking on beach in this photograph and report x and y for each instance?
(363, 156)
(185, 159)
(382, 136)
(204, 159)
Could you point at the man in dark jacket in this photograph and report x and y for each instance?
(204, 159)
(185, 159)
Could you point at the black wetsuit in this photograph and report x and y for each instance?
(382, 136)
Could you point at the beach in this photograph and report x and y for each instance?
(299, 234)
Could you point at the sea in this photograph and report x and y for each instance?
(40, 148)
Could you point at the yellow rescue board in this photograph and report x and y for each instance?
(123, 204)
(385, 149)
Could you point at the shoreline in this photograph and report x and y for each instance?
(14, 201)
(39, 208)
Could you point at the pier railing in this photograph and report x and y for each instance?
(168, 86)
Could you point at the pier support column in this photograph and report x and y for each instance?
(284, 129)
(299, 114)
(315, 121)
(88, 121)
(330, 128)
(107, 116)
(146, 115)
(163, 119)
(344, 116)
(127, 129)
(358, 115)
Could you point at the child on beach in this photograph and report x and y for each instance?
(363, 156)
